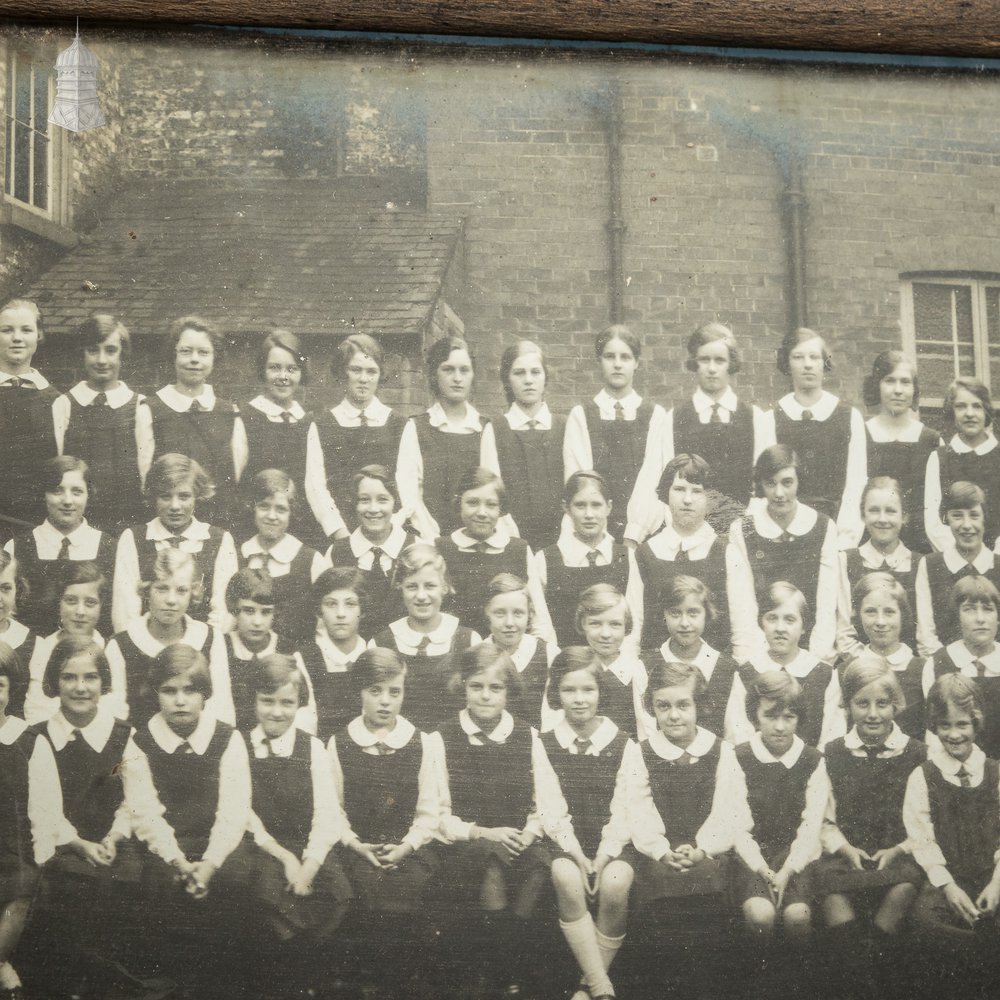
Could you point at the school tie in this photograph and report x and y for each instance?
(486, 741)
(592, 558)
(286, 416)
(619, 411)
(377, 570)
(383, 749)
(265, 745)
(174, 541)
(873, 752)
(685, 758)
(362, 419)
(184, 748)
(963, 777)
(19, 383)
(785, 536)
(533, 424)
(716, 417)
(481, 547)
(75, 736)
(422, 645)
(196, 407)
(980, 668)
(682, 555)
(583, 745)
(63, 550)
(101, 399)
(807, 414)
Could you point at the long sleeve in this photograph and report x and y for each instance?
(145, 442)
(616, 833)
(928, 642)
(233, 811)
(328, 818)
(119, 695)
(806, 845)
(577, 453)
(645, 510)
(847, 635)
(746, 635)
(489, 458)
(730, 813)
(831, 839)
(645, 823)
(126, 604)
(144, 805)
(61, 409)
(737, 728)
(425, 819)
(763, 431)
(850, 526)
(635, 595)
(542, 621)
(49, 827)
(38, 707)
(410, 483)
(226, 565)
(834, 715)
(645, 724)
(451, 828)
(823, 639)
(550, 803)
(920, 831)
(320, 500)
(240, 447)
(221, 702)
(307, 717)
(938, 533)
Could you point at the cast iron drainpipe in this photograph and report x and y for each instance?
(616, 223)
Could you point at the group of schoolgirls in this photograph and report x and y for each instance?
(609, 527)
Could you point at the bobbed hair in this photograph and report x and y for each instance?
(275, 671)
(357, 343)
(883, 483)
(101, 326)
(376, 666)
(172, 470)
(969, 384)
(16, 673)
(975, 590)
(32, 307)
(955, 691)
(674, 674)
(416, 557)
(569, 661)
(618, 331)
(249, 585)
(597, 599)
(883, 365)
(870, 668)
(710, 333)
(177, 659)
(585, 477)
(286, 341)
(511, 355)
(66, 649)
(380, 473)
(682, 587)
(52, 472)
(779, 686)
(438, 354)
(792, 340)
(693, 468)
(887, 583)
(178, 326)
(475, 478)
(770, 462)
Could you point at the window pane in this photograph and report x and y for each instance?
(40, 172)
(993, 335)
(942, 319)
(22, 134)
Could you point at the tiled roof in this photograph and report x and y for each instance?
(314, 256)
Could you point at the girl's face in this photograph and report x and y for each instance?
(883, 517)
(361, 377)
(688, 504)
(896, 390)
(276, 710)
(18, 340)
(169, 599)
(271, 516)
(66, 504)
(873, 711)
(8, 593)
(676, 714)
(4, 696)
(618, 365)
(970, 418)
(579, 696)
(423, 593)
(881, 619)
(454, 377)
(588, 511)
(282, 376)
(486, 697)
(527, 380)
(508, 618)
(686, 622)
(781, 493)
(340, 612)
(776, 724)
(79, 689)
(805, 365)
(180, 703)
(194, 358)
(102, 363)
(605, 632)
(782, 628)
(713, 368)
(253, 623)
(381, 703)
(968, 527)
(79, 609)
(175, 507)
(977, 621)
(957, 733)
(374, 507)
(479, 511)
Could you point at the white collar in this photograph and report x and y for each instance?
(963, 659)
(800, 667)
(606, 404)
(820, 410)
(599, 739)
(442, 634)
(53, 638)
(899, 660)
(702, 401)
(519, 420)
(947, 764)
(272, 411)
(157, 531)
(283, 551)
(117, 397)
(705, 659)
(168, 741)
(788, 759)
(622, 666)
(181, 403)
(668, 542)
(900, 559)
(241, 652)
(497, 541)
(11, 729)
(16, 633)
(574, 552)
(910, 433)
(395, 739)
(334, 660)
(955, 561)
(32, 375)
(525, 650)
(195, 634)
(392, 546)
(499, 735)
(471, 423)
(984, 448)
(280, 746)
(803, 521)
(376, 412)
(80, 535)
(96, 734)
(896, 740)
(701, 744)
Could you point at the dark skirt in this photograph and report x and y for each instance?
(465, 865)
(748, 884)
(18, 878)
(655, 881)
(400, 891)
(126, 868)
(833, 873)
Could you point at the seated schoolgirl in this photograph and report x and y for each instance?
(976, 604)
(782, 614)
(964, 511)
(585, 749)
(952, 817)
(13, 633)
(175, 485)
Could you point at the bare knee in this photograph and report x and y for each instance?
(797, 920)
(837, 910)
(759, 915)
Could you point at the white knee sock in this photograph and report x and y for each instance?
(608, 946)
(9, 979)
(581, 936)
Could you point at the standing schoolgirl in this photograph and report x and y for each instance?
(971, 455)
(426, 639)
(481, 548)
(172, 584)
(726, 432)
(783, 539)
(782, 615)
(14, 633)
(360, 430)
(866, 852)
(291, 565)
(30, 810)
(899, 445)
(374, 545)
(585, 750)
(613, 432)
(438, 447)
(175, 486)
(583, 556)
(186, 416)
(882, 509)
(826, 434)
(27, 430)
(46, 554)
(96, 422)
(525, 447)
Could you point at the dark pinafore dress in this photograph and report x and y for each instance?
(712, 704)
(988, 736)
(618, 448)
(940, 581)
(868, 792)
(447, 458)
(294, 616)
(105, 439)
(528, 705)
(531, 467)
(18, 872)
(856, 569)
(564, 585)
(984, 471)
(911, 720)
(380, 800)
(242, 678)
(814, 686)
(337, 698)
(283, 802)
(777, 797)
